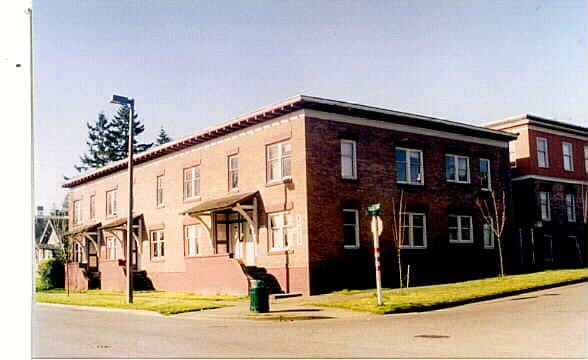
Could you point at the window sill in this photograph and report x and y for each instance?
(274, 252)
(193, 199)
(459, 182)
(486, 189)
(461, 242)
(160, 206)
(234, 190)
(410, 183)
(488, 248)
(286, 180)
(158, 259)
(413, 247)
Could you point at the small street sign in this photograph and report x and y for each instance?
(374, 210)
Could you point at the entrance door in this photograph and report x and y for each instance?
(248, 244)
(242, 244)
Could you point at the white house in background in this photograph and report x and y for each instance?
(49, 230)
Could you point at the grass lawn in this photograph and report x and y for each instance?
(166, 303)
(431, 297)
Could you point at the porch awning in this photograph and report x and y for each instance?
(219, 204)
(83, 229)
(120, 224)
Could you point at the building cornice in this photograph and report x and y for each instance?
(550, 178)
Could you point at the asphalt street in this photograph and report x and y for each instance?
(550, 323)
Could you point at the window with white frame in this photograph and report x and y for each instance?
(586, 159)
(568, 157)
(191, 182)
(348, 159)
(92, 207)
(571, 207)
(512, 152)
(461, 229)
(78, 252)
(112, 250)
(111, 203)
(485, 177)
(158, 190)
(545, 205)
(282, 230)
(542, 153)
(457, 168)
(77, 212)
(414, 230)
(350, 229)
(488, 230)
(233, 172)
(279, 161)
(157, 244)
(409, 166)
(192, 236)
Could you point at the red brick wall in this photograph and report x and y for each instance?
(112, 275)
(75, 278)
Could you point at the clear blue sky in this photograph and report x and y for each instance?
(192, 64)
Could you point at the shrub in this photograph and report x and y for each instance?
(51, 274)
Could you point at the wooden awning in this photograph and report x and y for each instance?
(223, 203)
(83, 229)
(120, 224)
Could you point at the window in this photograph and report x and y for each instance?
(77, 212)
(485, 180)
(191, 236)
(457, 168)
(460, 229)
(92, 207)
(283, 230)
(512, 152)
(545, 205)
(409, 166)
(111, 203)
(414, 231)
(488, 229)
(350, 229)
(158, 190)
(568, 161)
(78, 252)
(233, 172)
(157, 244)
(542, 154)
(348, 159)
(111, 249)
(279, 161)
(191, 182)
(571, 207)
(586, 158)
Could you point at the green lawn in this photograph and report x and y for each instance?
(430, 297)
(166, 303)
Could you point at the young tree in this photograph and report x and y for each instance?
(163, 137)
(99, 143)
(495, 216)
(118, 134)
(398, 217)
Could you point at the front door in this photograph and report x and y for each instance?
(242, 244)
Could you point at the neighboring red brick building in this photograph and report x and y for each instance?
(549, 166)
(281, 195)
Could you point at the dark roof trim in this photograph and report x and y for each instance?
(540, 121)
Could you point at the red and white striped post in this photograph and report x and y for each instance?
(377, 227)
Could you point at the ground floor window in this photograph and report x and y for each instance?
(157, 244)
(282, 230)
(350, 228)
(192, 236)
(414, 233)
(78, 252)
(488, 230)
(460, 229)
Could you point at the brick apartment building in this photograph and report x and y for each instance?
(549, 165)
(281, 194)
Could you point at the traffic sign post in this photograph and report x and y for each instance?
(377, 226)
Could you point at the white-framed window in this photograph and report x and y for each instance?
(282, 230)
(78, 252)
(158, 190)
(568, 156)
(348, 159)
(112, 248)
(512, 153)
(461, 229)
(111, 203)
(488, 230)
(409, 166)
(542, 153)
(545, 205)
(586, 159)
(571, 207)
(548, 248)
(92, 207)
(77, 212)
(414, 227)
(457, 168)
(191, 182)
(157, 244)
(192, 237)
(485, 174)
(233, 163)
(350, 228)
(279, 161)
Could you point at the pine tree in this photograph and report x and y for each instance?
(163, 137)
(118, 134)
(99, 145)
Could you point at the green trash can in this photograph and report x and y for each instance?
(258, 297)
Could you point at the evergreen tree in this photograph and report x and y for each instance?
(118, 134)
(163, 137)
(99, 145)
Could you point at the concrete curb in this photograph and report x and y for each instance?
(100, 309)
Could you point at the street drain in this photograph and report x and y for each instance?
(433, 336)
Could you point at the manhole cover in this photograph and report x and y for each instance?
(433, 336)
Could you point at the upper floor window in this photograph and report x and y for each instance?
(461, 229)
(488, 230)
(77, 212)
(348, 159)
(191, 182)
(282, 230)
(191, 236)
(545, 205)
(542, 153)
(159, 190)
(512, 152)
(457, 168)
(568, 161)
(485, 179)
(111, 203)
(233, 172)
(350, 228)
(414, 231)
(157, 244)
(571, 207)
(409, 166)
(586, 158)
(92, 207)
(279, 162)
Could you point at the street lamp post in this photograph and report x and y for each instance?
(125, 101)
